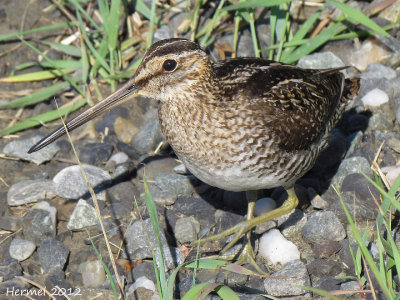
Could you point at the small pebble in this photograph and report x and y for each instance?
(84, 215)
(293, 275)
(276, 249)
(181, 169)
(323, 226)
(9, 268)
(21, 249)
(263, 206)
(148, 138)
(10, 223)
(52, 254)
(375, 98)
(391, 172)
(95, 153)
(19, 148)
(39, 223)
(29, 191)
(355, 164)
(173, 257)
(138, 246)
(143, 282)
(70, 183)
(176, 183)
(93, 273)
(117, 158)
(352, 285)
(186, 229)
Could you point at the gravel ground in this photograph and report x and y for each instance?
(47, 214)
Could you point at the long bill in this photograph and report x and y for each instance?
(116, 98)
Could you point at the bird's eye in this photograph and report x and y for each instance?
(169, 65)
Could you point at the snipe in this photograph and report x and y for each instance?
(241, 125)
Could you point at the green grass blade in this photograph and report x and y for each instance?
(61, 64)
(100, 58)
(314, 43)
(152, 22)
(255, 4)
(106, 269)
(15, 35)
(83, 12)
(43, 118)
(301, 33)
(367, 255)
(36, 97)
(358, 16)
(142, 8)
(37, 76)
(151, 207)
(113, 22)
(67, 49)
(226, 293)
(211, 264)
(196, 291)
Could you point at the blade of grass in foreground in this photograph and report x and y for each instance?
(151, 207)
(365, 252)
(35, 30)
(358, 16)
(43, 118)
(37, 97)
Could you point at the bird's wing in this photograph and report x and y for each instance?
(298, 104)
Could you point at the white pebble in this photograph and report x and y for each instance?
(276, 249)
(375, 98)
(263, 206)
(144, 282)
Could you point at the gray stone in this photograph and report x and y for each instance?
(152, 166)
(137, 240)
(70, 183)
(186, 229)
(294, 274)
(148, 137)
(322, 267)
(176, 183)
(146, 268)
(40, 223)
(10, 223)
(323, 226)
(173, 257)
(9, 268)
(294, 224)
(320, 60)
(163, 33)
(117, 158)
(16, 284)
(199, 208)
(95, 153)
(52, 254)
(376, 70)
(21, 249)
(93, 273)
(352, 285)
(124, 191)
(380, 122)
(19, 148)
(355, 164)
(55, 281)
(29, 191)
(160, 197)
(84, 215)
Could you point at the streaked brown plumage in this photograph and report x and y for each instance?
(242, 124)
